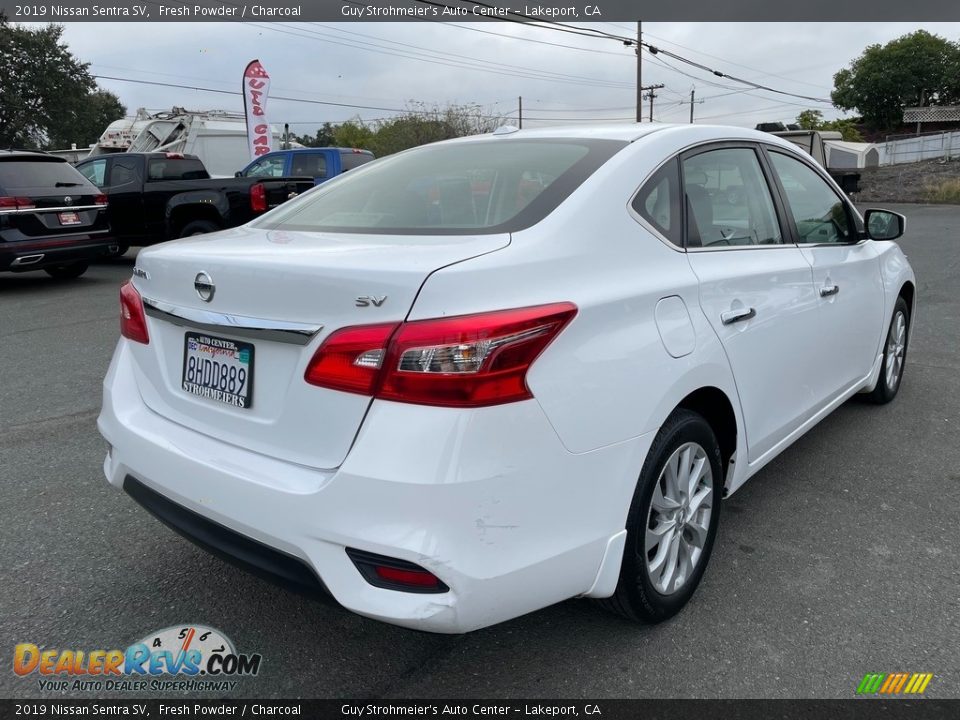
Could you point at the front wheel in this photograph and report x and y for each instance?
(894, 355)
(672, 521)
(67, 272)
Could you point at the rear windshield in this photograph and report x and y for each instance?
(350, 159)
(159, 169)
(27, 176)
(488, 186)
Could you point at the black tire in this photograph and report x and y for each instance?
(119, 252)
(67, 272)
(198, 227)
(885, 391)
(636, 597)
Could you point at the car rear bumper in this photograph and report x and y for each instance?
(27, 255)
(487, 500)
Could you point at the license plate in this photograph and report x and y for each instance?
(218, 369)
(69, 218)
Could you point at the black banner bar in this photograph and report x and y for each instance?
(855, 709)
(565, 11)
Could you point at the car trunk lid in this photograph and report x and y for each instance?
(276, 295)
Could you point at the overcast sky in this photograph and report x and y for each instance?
(387, 65)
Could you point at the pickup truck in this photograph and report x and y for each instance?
(319, 163)
(160, 196)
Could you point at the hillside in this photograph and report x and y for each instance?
(923, 182)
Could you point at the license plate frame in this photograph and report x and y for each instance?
(217, 352)
(69, 218)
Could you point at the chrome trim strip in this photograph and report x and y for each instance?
(294, 333)
(53, 209)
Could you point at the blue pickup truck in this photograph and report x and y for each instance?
(319, 163)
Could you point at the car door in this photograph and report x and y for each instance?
(125, 190)
(756, 288)
(846, 272)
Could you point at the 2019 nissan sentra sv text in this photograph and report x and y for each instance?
(480, 377)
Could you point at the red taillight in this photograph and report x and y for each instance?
(100, 200)
(464, 361)
(133, 322)
(174, 156)
(351, 358)
(258, 198)
(17, 203)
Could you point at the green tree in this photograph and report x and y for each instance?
(48, 98)
(324, 137)
(810, 119)
(917, 69)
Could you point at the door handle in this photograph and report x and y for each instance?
(829, 290)
(732, 316)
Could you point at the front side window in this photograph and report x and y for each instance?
(94, 171)
(658, 202)
(268, 167)
(819, 213)
(462, 188)
(728, 200)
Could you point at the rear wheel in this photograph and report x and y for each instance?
(67, 272)
(672, 521)
(198, 227)
(894, 355)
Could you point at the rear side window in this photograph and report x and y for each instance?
(658, 202)
(26, 177)
(350, 160)
(728, 200)
(484, 186)
(308, 165)
(95, 172)
(159, 169)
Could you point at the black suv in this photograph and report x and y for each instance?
(51, 217)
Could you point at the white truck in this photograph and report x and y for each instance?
(217, 137)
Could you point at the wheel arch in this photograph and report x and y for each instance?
(716, 408)
(908, 292)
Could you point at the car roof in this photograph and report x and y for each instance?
(29, 155)
(627, 132)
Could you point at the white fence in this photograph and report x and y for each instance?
(900, 149)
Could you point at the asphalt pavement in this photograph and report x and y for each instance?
(838, 559)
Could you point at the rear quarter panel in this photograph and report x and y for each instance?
(608, 377)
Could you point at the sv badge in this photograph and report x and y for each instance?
(368, 300)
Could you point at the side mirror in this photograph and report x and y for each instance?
(884, 224)
(238, 173)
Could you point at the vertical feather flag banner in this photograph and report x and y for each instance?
(256, 87)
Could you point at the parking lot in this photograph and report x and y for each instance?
(838, 559)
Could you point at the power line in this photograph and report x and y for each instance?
(590, 32)
(479, 65)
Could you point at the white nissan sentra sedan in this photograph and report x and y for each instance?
(480, 377)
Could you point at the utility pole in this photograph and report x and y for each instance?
(651, 95)
(639, 73)
(693, 101)
(520, 112)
